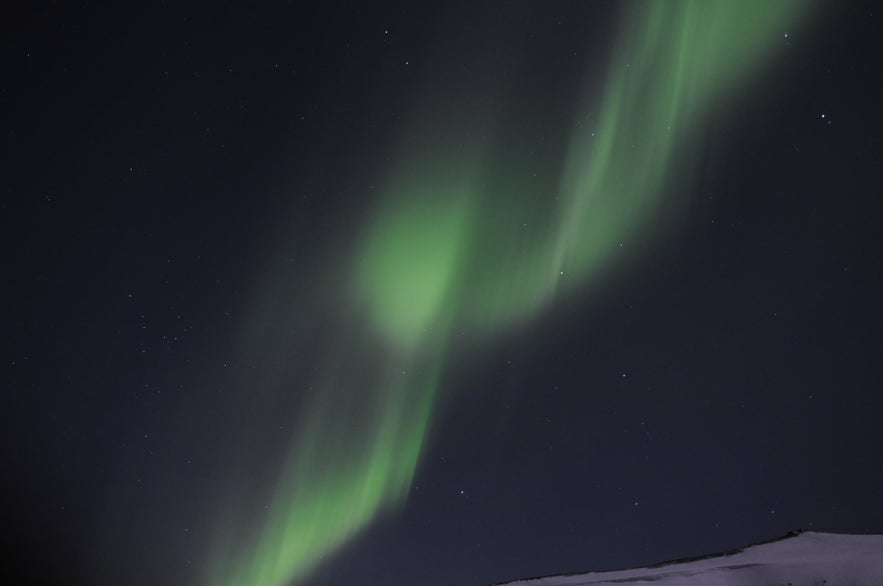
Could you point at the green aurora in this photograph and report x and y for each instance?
(452, 247)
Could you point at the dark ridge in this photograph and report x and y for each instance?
(727, 553)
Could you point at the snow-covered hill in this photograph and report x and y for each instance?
(799, 559)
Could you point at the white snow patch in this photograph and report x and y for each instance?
(804, 559)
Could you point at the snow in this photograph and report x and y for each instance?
(800, 559)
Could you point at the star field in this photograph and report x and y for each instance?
(403, 294)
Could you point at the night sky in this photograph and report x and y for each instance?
(435, 294)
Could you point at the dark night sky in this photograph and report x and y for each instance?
(725, 387)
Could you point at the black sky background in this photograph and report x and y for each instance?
(725, 389)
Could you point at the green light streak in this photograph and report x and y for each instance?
(355, 457)
(446, 250)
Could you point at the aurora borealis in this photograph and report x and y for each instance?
(310, 295)
(447, 251)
